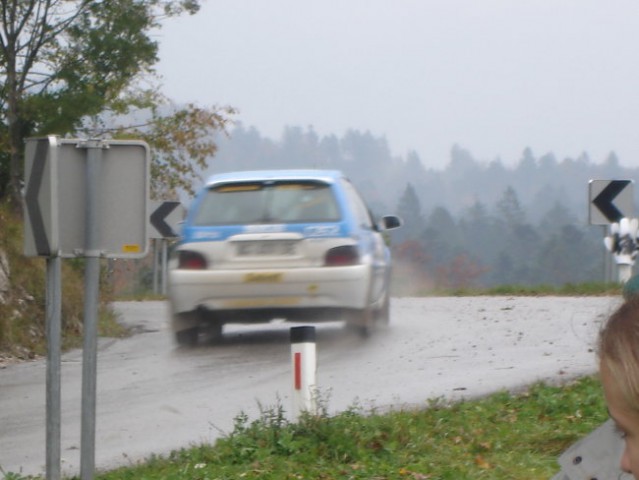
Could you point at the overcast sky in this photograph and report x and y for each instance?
(493, 76)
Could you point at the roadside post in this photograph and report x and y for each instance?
(623, 244)
(304, 360)
(91, 301)
(53, 378)
(82, 198)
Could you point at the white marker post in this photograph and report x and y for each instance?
(623, 244)
(304, 358)
(624, 272)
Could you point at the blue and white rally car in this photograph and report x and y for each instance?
(299, 245)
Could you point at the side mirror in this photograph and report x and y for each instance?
(389, 222)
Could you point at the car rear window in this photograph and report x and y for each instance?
(267, 202)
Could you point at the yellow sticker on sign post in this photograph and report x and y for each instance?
(131, 248)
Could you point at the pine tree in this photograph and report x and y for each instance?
(410, 209)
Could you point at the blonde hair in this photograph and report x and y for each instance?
(618, 349)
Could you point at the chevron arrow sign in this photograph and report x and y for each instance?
(610, 201)
(165, 219)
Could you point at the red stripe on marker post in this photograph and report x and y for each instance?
(303, 356)
(298, 370)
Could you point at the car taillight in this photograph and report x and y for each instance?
(341, 256)
(191, 260)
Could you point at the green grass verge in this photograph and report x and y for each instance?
(502, 436)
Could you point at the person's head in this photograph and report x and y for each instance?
(619, 370)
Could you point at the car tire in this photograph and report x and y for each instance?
(214, 331)
(188, 337)
(360, 321)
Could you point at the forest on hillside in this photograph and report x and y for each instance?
(473, 223)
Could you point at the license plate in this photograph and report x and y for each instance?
(266, 248)
(262, 302)
(263, 277)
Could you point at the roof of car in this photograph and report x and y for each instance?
(298, 174)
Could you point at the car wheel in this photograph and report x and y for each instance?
(211, 323)
(361, 322)
(214, 331)
(188, 337)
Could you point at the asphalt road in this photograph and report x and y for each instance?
(154, 397)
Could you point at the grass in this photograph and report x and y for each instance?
(502, 436)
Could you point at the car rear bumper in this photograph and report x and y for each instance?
(328, 287)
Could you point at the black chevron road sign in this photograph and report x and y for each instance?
(31, 199)
(610, 201)
(37, 204)
(165, 219)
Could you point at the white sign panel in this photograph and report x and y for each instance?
(55, 197)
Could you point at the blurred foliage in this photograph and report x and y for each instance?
(62, 64)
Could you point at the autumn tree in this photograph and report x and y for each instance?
(182, 140)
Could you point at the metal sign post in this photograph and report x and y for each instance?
(156, 262)
(165, 265)
(54, 329)
(91, 300)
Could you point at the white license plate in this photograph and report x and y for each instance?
(266, 248)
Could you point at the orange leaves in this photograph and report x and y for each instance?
(481, 462)
(403, 472)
